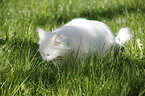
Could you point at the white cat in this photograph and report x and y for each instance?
(80, 34)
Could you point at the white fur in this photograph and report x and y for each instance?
(85, 35)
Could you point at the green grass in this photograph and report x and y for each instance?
(22, 72)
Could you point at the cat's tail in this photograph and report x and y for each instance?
(123, 36)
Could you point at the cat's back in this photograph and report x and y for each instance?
(81, 22)
(91, 27)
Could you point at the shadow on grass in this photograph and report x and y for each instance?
(22, 47)
(111, 12)
(95, 14)
(3, 1)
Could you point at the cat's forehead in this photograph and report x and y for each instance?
(46, 50)
(48, 39)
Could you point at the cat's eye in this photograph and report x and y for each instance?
(47, 54)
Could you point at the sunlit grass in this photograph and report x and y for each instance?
(23, 72)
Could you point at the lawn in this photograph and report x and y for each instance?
(23, 72)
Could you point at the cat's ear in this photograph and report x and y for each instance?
(58, 39)
(42, 33)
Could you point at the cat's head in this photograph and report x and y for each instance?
(52, 45)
